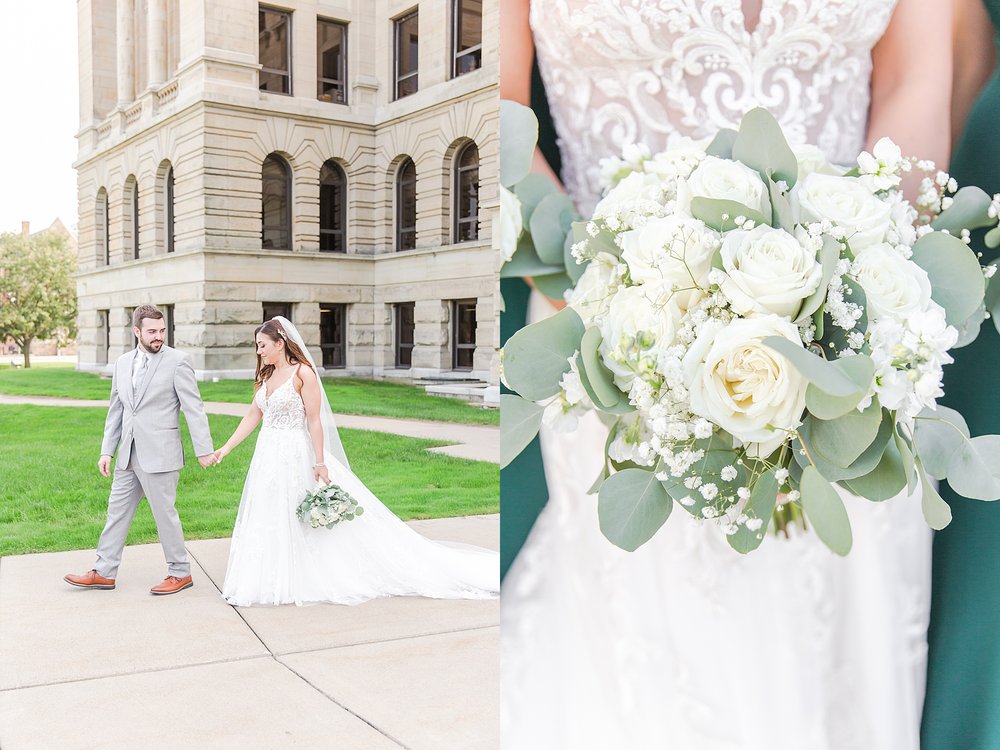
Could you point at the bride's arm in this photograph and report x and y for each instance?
(516, 60)
(247, 425)
(911, 84)
(312, 403)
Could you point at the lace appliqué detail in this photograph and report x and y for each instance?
(630, 71)
(283, 409)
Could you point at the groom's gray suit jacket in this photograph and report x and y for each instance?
(149, 420)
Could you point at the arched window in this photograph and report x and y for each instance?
(406, 206)
(466, 208)
(169, 218)
(101, 222)
(276, 204)
(332, 208)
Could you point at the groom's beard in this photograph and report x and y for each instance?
(153, 346)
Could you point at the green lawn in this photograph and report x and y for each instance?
(52, 497)
(347, 395)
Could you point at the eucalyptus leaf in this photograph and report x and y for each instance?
(761, 506)
(761, 145)
(606, 395)
(525, 262)
(722, 145)
(519, 136)
(530, 192)
(604, 242)
(937, 434)
(886, 480)
(825, 510)
(991, 301)
(826, 376)
(721, 214)
(550, 224)
(829, 254)
(937, 512)
(553, 285)
(863, 464)
(909, 461)
(519, 423)
(992, 238)
(974, 469)
(781, 209)
(537, 356)
(631, 506)
(841, 441)
(968, 210)
(860, 369)
(969, 330)
(620, 408)
(956, 277)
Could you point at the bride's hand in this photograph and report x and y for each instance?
(320, 474)
(220, 454)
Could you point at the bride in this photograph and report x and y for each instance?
(275, 558)
(684, 644)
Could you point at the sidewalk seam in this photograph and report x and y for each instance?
(386, 640)
(341, 705)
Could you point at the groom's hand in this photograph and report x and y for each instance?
(104, 466)
(207, 460)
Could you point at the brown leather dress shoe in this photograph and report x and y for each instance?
(171, 585)
(89, 580)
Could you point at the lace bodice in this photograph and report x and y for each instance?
(283, 408)
(644, 71)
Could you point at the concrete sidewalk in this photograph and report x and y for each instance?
(124, 669)
(473, 442)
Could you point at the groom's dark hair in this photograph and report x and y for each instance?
(145, 311)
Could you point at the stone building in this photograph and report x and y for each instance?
(334, 162)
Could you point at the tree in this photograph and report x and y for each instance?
(37, 289)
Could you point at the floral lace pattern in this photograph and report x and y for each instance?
(628, 71)
(283, 409)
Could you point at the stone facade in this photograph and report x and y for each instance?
(171, 90)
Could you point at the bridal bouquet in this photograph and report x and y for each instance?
(758, 327)
(328, 506)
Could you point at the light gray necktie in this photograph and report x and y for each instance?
(139, 374)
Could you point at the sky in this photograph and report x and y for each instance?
(39, 115)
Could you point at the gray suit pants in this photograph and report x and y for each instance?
(127, 489)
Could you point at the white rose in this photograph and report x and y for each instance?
(592, 293)
(812, 159)
(641, 322)
(624, 198)
(511, 223)
(768, 270)
(724, 179)
(742, 385)
(893, 285)
(846, 203)
(674, 250)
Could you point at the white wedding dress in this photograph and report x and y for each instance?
(685, 644)
(277, 559)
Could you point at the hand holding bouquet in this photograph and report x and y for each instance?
(327, 506)
(755, 323)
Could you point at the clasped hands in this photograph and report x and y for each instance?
(209, 459)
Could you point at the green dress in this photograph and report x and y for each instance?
(962, 707)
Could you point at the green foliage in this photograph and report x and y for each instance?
(631, 506)
(859, 369)
(954, 272)
(518, 134)
(761, 145)
(825, 510)
(828, 257)
(938, 434)
(721, 214)
(829, 377)
(968, 211)
(37, 289)
(537, 356)
(974, 469)
(597, 379)
(937, 512)
(761, 506)
(550, 224)
(519, 423)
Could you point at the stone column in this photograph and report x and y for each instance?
(156, 42)
(126, 46)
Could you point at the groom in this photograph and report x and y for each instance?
(148, 388)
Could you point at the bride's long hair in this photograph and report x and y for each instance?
(273, 330)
